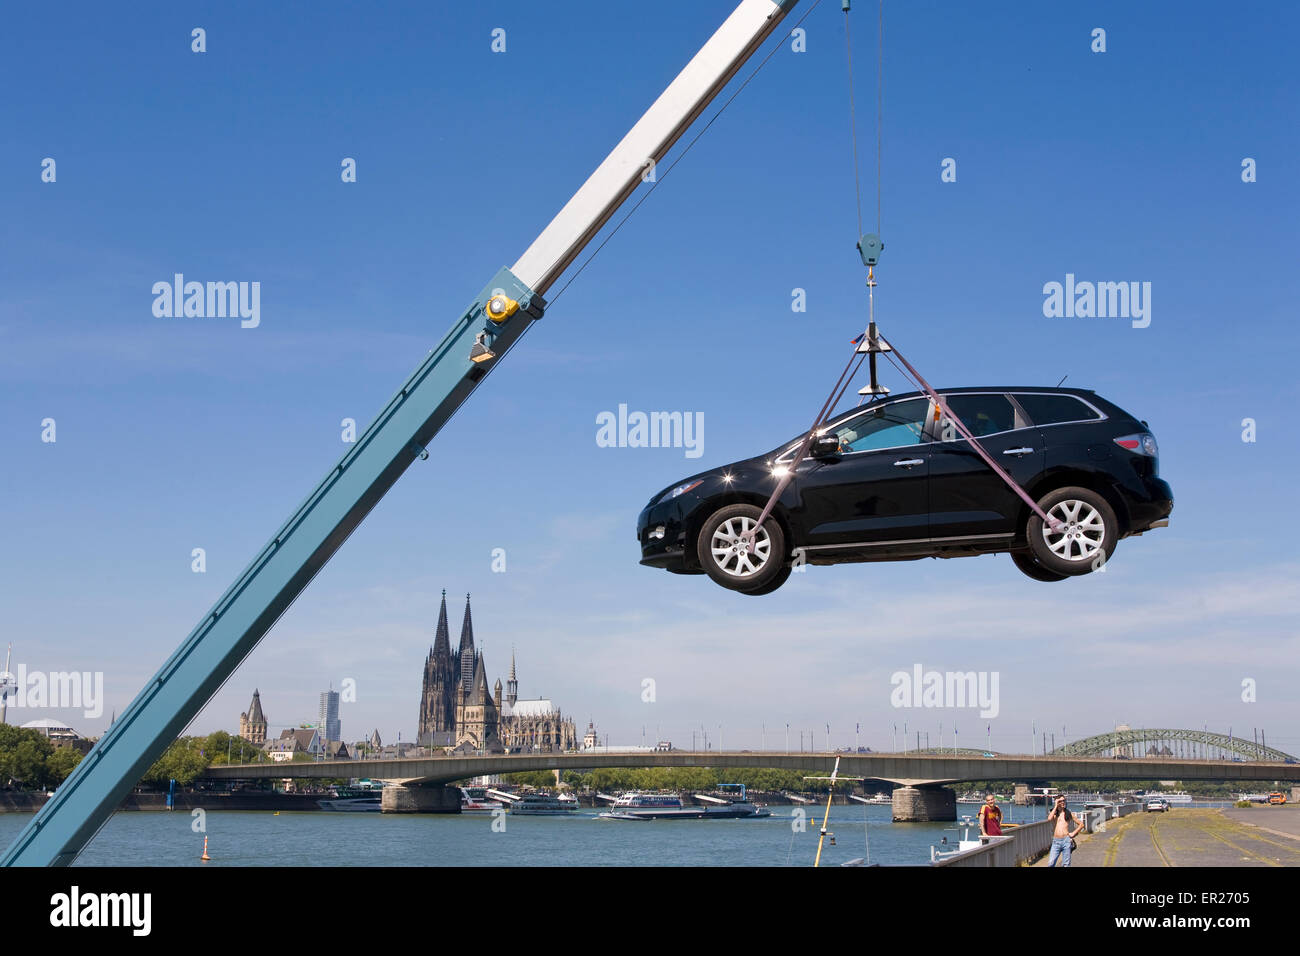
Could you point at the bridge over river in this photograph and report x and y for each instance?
(418, 783)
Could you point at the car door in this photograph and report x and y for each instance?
(875, 490)
(968, 499)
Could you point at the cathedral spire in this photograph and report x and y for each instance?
(512, 685)
(467, 655)
(466, 629)
(442, 636)
(479, 691)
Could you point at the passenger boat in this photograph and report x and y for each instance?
(353, 800)
(669, 806)
(1177, 797)
(650, 806)
(476, 800)
(735, 805)
(543, 804)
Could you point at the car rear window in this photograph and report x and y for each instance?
(984, 414)
(1055, 409)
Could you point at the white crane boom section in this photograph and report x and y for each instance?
(648, 141)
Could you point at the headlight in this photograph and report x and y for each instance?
(681, 490)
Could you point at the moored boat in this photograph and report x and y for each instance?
(669, 806)
(539, 803)
(476, 800)
(359, 799)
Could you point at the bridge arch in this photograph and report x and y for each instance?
(1169, 742)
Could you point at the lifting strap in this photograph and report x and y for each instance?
(870, 246)
(877, 344)
(965, 433)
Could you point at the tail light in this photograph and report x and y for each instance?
(1143, 443)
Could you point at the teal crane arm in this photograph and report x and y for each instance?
(473, 345)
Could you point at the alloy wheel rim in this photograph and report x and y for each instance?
(1081, 534)
(730, 551)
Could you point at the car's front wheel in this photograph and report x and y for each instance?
(725, 557)
(1086, 535)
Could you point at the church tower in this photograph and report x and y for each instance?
(252, 723)
(466, 653)
(438, 696)
(477, 710)
(512, 685)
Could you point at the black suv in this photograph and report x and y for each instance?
(893, 480)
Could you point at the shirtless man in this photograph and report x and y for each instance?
(1061, 832)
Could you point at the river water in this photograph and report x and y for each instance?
(371, 839)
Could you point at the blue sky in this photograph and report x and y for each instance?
(181, 433)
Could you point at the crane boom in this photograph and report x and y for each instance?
(446, 377)
(653, 135)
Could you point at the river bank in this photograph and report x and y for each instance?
(23, 802)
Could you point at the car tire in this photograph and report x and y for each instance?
(1090, 537)
(779, 579)
(1029, 566)
(731, 567)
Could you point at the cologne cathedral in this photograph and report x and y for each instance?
(457, 709)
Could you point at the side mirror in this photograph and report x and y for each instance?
(825, 446)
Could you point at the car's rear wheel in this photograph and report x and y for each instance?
(725, 558)
(1029, 565)
(1086, 537)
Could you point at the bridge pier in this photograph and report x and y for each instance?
(924, 804)
(419, 798)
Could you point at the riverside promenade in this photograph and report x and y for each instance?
(1187, 836)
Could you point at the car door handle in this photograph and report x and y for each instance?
(909, 462)
(1018, 451)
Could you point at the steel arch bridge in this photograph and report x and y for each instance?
(1166, 742)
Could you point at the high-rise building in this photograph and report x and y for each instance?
(330, 728)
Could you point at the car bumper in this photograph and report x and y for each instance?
(661, 532)
(1149, 504)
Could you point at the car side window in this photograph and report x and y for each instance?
(1047, 409)
(984, 414)
(886, 426)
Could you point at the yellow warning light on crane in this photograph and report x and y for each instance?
(500, 307)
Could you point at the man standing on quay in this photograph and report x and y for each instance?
(1062, 835)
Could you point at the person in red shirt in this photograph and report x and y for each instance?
(990, 817)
